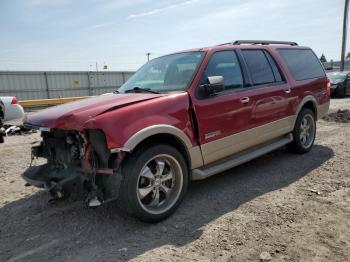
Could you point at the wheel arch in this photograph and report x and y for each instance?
(166, 134)
(168, 139)
(311, 103)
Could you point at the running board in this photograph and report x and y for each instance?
(238, 159)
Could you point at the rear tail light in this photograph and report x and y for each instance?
(328, 88)
(14, 101)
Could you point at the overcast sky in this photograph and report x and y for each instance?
(74, 35)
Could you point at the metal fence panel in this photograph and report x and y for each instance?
(53, 84)
(68, 84)
(14, 82)
(104, 82)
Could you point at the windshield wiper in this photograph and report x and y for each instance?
(136, 88)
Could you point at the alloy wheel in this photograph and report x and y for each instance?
(159, 184)
(307, 131)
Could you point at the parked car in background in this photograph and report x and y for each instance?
(12, 110)
(9, 110)
(181, 117)
(340, 83)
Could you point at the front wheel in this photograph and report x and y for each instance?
(304, 132)
(154, 183)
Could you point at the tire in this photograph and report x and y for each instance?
(340, 91)
(154, 182)
(303, 138)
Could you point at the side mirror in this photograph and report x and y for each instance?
(214, 85)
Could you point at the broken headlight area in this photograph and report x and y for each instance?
(78, 164)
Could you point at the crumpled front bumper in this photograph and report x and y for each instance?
(57, 182)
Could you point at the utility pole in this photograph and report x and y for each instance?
(148, 54)
(345, 25)
(96, 67)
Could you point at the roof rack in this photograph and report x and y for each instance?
(261, 42)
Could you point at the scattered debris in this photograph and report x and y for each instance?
(340, 116)
(124, 249)
(315, 191)
(94, 202)
(10, 130)
(265, 256)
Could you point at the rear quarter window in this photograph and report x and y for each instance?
(302, 63)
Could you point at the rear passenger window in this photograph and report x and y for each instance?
(225, 63)
(302, 63)
(258, 66)
(276, 72)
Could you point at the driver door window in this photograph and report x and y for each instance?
(225, 63)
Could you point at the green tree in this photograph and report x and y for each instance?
(348, 56)
(323, 58)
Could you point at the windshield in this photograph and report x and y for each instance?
(164, 74)
(336, 77)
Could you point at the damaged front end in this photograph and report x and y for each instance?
(79, 165)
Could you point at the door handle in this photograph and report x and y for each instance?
(287, 91)
(245, 100)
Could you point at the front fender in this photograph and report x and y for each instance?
(127, 126)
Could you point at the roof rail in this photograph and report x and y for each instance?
(261, 42)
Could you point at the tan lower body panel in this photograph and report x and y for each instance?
(232, 144)
(196, 157)
(240, 158)
(322, 110)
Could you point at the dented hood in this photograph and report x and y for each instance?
(74, 115)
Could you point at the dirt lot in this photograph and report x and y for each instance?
(295, 207)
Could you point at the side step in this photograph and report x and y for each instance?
(240, 158)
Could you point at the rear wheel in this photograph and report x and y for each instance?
(154, 183)
(304, 132)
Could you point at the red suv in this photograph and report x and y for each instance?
(181, 117)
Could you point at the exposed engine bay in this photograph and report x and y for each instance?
(79, 165)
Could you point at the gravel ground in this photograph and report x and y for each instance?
(282, 207)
